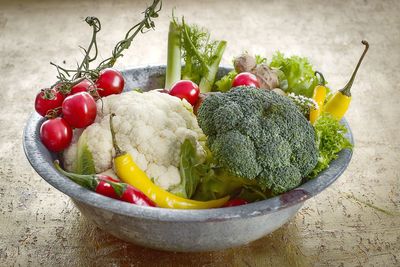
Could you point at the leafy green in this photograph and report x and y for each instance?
(137, 89)
(200, 54)
(297, 71)
(197, 50)
(191, 169)
(330, 138)
(187, 167)
(218, 183)
(252, 193)
(225, 83)
(84, 161)
(260, 59)
(283, 82)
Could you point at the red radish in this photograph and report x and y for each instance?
(79, 110)
(186, 89)
(56, 134)
(110, 82)
(48, 100)
(245, 79)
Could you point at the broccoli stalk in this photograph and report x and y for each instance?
(173, 72)
(201, 56)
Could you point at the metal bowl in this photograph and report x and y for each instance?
(170, 229)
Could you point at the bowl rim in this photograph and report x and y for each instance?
(42, 162)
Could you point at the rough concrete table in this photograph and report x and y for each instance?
(353, 223)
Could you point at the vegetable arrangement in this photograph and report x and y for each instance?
(200, 142)
(74, 93)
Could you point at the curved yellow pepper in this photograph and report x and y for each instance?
(338, 105)
(128, 171)
(319, 97)
(340, 102)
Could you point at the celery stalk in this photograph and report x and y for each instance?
(207, 81)
(173, 72)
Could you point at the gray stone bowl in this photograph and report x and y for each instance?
(170, 229)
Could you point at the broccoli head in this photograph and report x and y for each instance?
(259, 135)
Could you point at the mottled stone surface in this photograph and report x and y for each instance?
(354, 222)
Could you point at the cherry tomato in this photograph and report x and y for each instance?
(235, 202)
(83, 86)
(56, 134)
(79, 110)
(245, 78)
(110, 82)
(47, 100)
(186, 89)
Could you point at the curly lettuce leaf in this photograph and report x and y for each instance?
(297, 72)
(330, 138)
(225, 83)
(260, 59)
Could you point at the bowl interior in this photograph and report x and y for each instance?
(152, 77)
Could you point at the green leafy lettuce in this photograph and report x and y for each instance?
(202, 180)
(330, 138)
(225, 83)
(217, 183)
(297, 72)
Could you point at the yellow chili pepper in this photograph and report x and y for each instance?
(340, 102)
(128, 171)
(319, 97)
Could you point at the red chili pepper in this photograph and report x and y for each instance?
(108, 186)
(235, 202)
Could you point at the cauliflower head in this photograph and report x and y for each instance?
(150, 126)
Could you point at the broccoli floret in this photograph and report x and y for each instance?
(259, 135)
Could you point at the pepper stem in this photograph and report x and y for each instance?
(88, 181)
(118, 150)
(321, 80)
(346, 89)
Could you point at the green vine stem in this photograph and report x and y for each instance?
(69, 77)
(146, 24)
(96, 25)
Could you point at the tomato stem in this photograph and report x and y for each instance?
(68, 76)
(96, 25)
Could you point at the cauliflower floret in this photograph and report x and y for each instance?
(150, 126)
